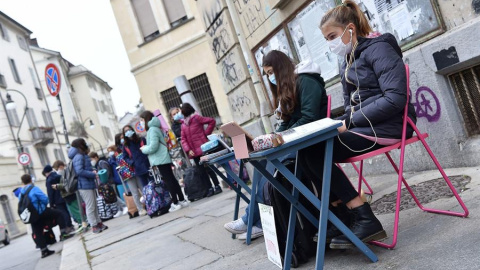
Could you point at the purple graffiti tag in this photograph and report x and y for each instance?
(427, 104)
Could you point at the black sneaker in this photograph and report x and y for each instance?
(47, 252)
(96, 229)
(218, 189)
(210, 192)
(103, 226)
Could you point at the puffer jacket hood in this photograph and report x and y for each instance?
(156, 147)
(72, 152)
(364, 43)
(155, 122)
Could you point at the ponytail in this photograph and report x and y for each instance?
(348, 12)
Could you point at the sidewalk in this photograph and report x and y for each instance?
(194, 237)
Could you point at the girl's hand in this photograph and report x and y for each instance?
(342, 128)
(191, 153)
(54, 187)
(141, 148)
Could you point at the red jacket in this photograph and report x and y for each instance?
(193, 134)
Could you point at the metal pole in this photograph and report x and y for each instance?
(264, 106)
(62, 117)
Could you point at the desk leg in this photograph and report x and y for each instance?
(237, 205)
(287, 261)
(224, 178)
(253, 201)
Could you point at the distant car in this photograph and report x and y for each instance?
(4, 237)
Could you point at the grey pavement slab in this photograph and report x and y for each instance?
(194, 237)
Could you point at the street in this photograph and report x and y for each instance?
(22, 255)
(194, 237)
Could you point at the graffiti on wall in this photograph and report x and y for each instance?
(210, 9)
(221, 36)
(252, 14)
(232, 69)
(427, 104)
(243, 103)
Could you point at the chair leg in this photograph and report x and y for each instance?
(401, 180)
(370, 190)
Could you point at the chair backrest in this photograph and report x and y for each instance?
(329, 106)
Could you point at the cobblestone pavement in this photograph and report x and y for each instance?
(426, 192)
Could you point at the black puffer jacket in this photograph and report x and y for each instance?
(383, 88)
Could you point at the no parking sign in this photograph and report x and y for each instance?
(52, 79)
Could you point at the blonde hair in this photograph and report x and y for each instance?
(348, 12)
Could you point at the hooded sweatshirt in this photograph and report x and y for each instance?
(381, 77)
(156, 147)
(311, 97)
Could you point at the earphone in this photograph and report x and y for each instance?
(352, 97)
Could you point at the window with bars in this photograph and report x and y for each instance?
(466, 85)
(201, 91)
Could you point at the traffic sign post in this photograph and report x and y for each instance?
(24, 159)
(52, 79)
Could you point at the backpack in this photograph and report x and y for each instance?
(70, 181)
(27, 212)
(170, 139)
(107, 192)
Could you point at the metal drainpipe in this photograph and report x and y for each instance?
(264, 106)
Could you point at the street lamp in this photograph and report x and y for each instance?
(11, 105)
(92, 126)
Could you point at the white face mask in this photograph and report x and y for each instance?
(93, 162)
(111, 153)
(338, 47)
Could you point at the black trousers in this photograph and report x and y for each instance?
(62, 207)
(311, 162)
(49, 217)
(208, 171)
(171, 182)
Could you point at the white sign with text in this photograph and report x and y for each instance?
(270, 234)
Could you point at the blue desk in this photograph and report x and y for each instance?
(223, 162)
(272, 155)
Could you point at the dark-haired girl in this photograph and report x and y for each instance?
(157, 152)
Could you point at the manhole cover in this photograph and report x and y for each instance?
(426, 192)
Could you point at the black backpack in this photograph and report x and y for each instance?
(27, 212)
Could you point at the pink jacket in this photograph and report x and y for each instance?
(193, 134)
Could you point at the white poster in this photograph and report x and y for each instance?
(400, 20)
(270, 234)
(317, 44)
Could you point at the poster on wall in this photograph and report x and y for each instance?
(309, 42)
(407, 20)
(278, 42)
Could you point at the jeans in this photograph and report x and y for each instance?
(171, 182)
(144, 178)
(90, 198)
(260, 191)
(134, 185)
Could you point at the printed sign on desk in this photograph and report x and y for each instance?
(270, 234)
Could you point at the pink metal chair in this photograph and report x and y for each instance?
(370, 190)
(401, 145)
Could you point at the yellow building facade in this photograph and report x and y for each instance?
(165, 40)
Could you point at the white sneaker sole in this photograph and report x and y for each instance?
(243, 236)
(233, 230)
